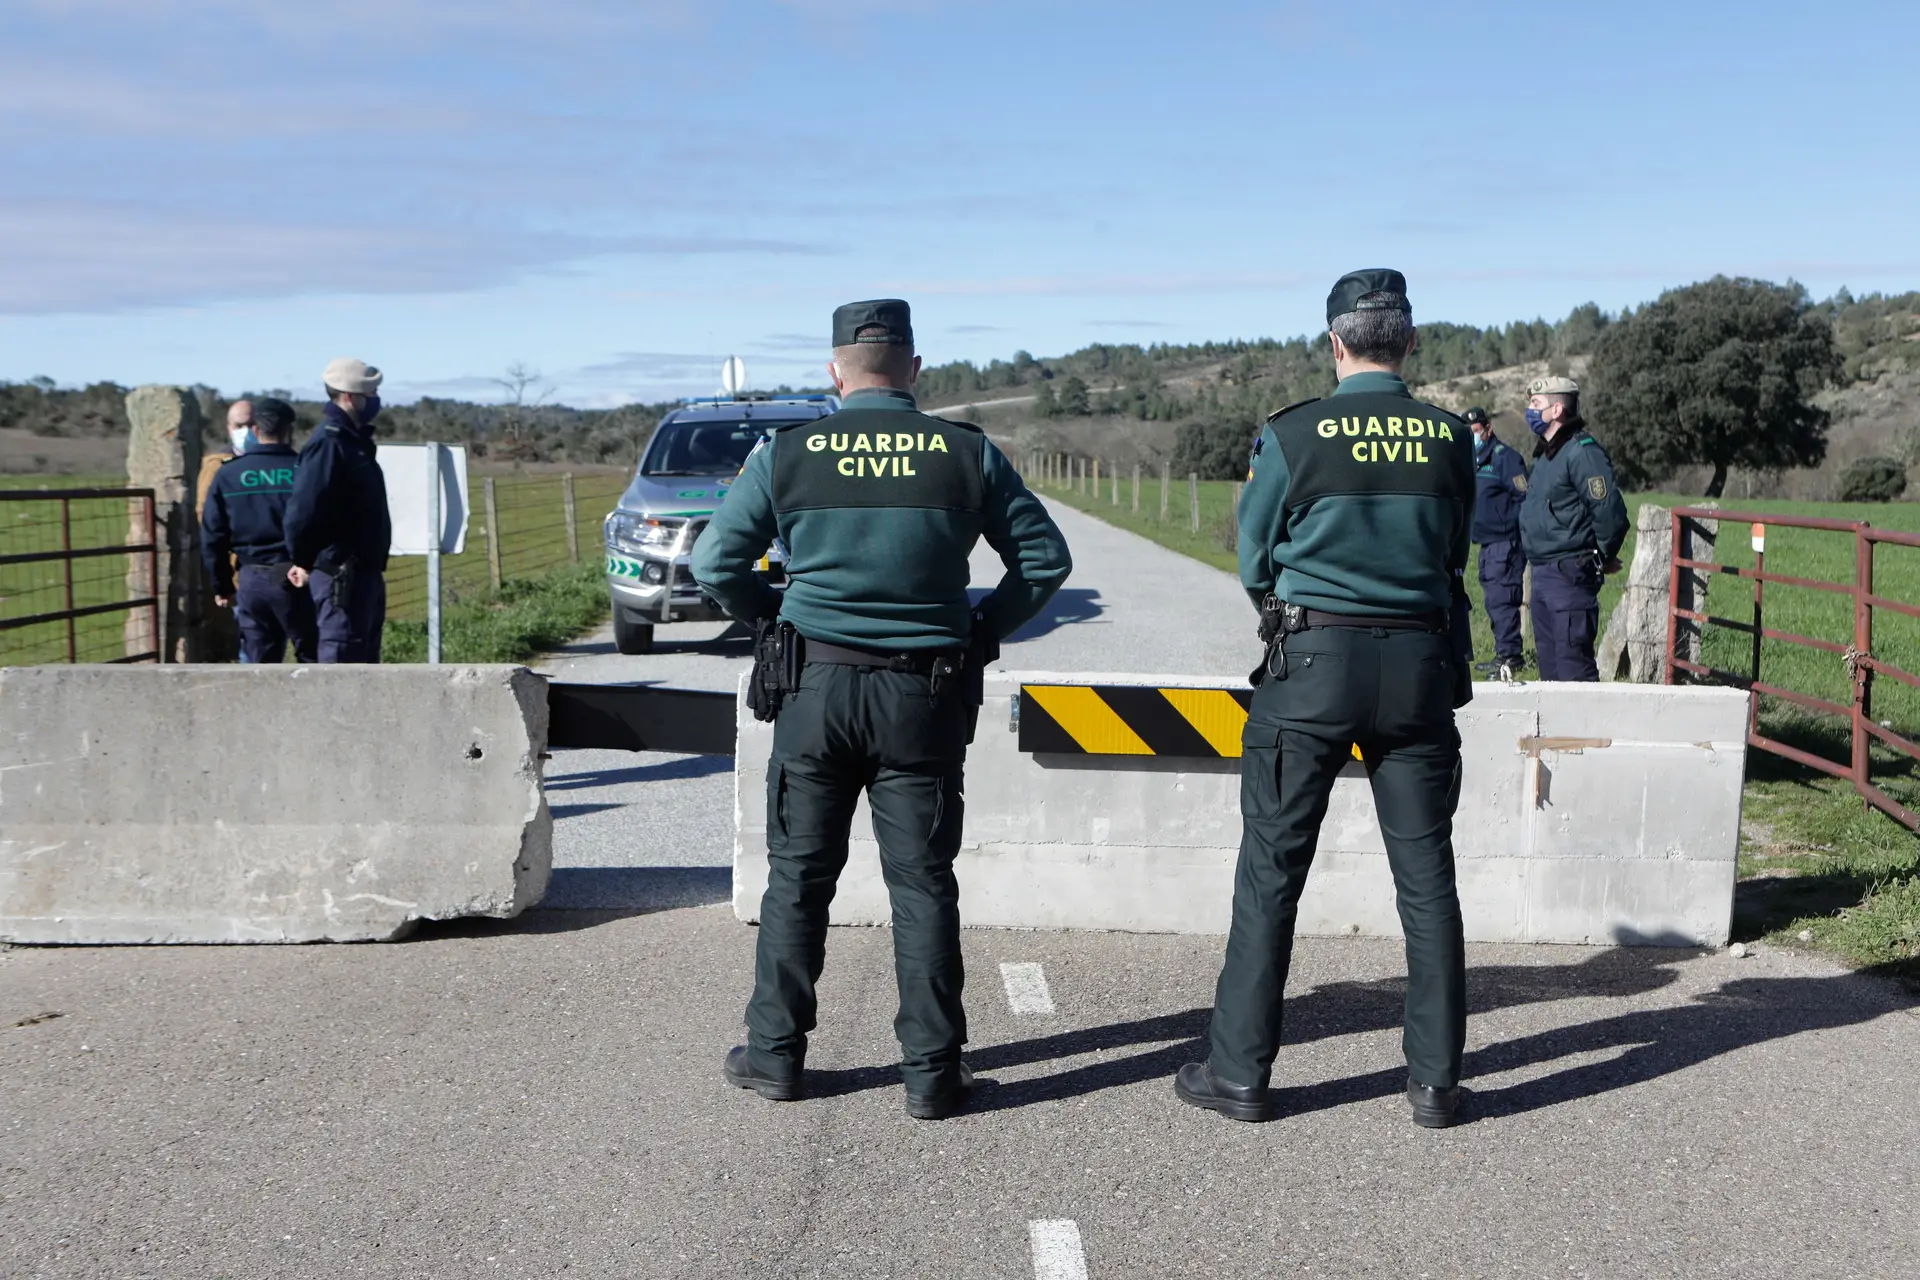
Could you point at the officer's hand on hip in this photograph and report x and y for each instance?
(223, 602)
(1611, 567)
(296, 575)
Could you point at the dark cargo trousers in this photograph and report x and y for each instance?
(270, 611)
(1389, 692)
(847, 730)
(1503, 585)
(1566, 617)
(350, 629)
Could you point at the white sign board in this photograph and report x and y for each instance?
(405, 467)
(733, 375)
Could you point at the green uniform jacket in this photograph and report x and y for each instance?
(1359, 503)
(880, 506)
(1573, 504)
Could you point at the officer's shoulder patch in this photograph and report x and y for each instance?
(1284, 410)
(1596, 487)
(1520, 482)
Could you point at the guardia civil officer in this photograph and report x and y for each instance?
(879, 506)
(338, 528)
(1353, 540)
(1572, 525)
(1500, 482)
(245, 520)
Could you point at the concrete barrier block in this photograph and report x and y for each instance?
(267, 804)
(1633, 840)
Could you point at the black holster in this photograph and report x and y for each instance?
(340, 585)
(778, 655)
(1460, 633)
(982, 648)
(1278, 620)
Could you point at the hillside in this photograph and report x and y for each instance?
(1199, 405)
(1194, 405)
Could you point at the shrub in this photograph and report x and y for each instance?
(1875, 479)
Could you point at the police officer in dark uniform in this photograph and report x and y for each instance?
(1572, 525)
(1353, 540)
(338, 527)
(1500, 481)
(245, 519)
(879, 657)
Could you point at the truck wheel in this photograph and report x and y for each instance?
(631, 637)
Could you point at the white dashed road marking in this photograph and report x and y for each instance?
(1057, 1254)
(1026, 988)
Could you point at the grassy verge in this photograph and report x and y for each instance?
(528, 616)
(1818, 868)
(532, 530)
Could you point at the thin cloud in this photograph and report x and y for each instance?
(98, 258)
(369, 26)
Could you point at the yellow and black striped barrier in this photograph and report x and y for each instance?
(1133, 720)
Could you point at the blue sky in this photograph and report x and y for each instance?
(620, 194)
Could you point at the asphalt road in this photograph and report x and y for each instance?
(542, 1097)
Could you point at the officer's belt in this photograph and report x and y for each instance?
(923, 662)
(1435, 621)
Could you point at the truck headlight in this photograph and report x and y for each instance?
(635, 533)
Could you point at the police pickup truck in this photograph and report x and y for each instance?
(695, 454)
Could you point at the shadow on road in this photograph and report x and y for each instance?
(666, 771)
(1069, 605)
(586, 897)
(1656, 1042)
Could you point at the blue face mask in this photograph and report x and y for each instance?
(370, 410)
(1537, 422)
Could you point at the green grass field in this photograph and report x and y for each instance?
(533, 545)
(1820, 869)
(36, 588)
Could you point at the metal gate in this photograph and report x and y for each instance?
(71, 559)
(1862, 665)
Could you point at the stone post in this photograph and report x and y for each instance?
(1635, 644)
(163, 454)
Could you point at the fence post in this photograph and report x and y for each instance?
(573, 527)
(1114, 471)
(1862, 673)
(66, 563)
(1166, 486)
(1096, 478)
(493, 537)
(1136, 488)
(1193, 497)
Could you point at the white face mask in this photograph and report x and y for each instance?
(242, 438)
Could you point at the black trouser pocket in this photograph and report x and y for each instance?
(776, 806)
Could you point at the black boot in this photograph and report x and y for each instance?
(741, 1075)
(1197, 1086)
(1433, 1108)
(944, 1102)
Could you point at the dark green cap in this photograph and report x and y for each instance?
(890, 316)
(1475, 414)
(1355, 285)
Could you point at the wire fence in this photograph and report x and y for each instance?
(519, 529)
(78, 572)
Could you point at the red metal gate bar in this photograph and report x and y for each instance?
(1862, 664)
(140, 511)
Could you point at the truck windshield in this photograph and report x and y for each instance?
(701, 448)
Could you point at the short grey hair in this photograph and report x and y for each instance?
(1377, 333)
